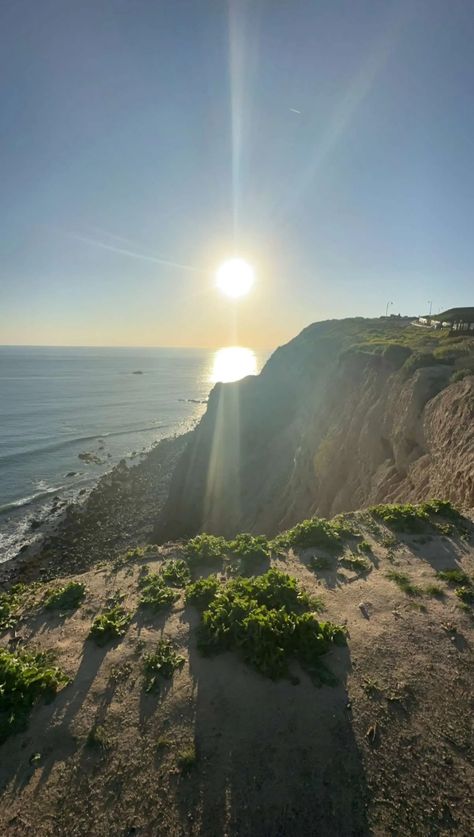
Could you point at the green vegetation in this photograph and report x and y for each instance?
(24, 677)
(11, 603)
(318, 563)
(67, 597)
(187, 759)
(201, 592)
(364, 546)
(434, 590)
(465, 594)
(205, 549)
(460, 374)
(176, 573)
(110, 625)
(408, 517)
(162, 663)
(154, 592)
(250, 549)
(315, 532)
(454, 576)
(404, 583)
(356, 563)
(97, 738)
(268, 620)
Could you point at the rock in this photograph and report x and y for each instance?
(364, 609)
(91, 458)
(137, 372)
(35, 524)
(71, 474)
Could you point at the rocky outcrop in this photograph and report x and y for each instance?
(328, 426)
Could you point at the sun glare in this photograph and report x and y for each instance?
(235, 277)
(232, 364)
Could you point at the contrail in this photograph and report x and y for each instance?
(133, 254)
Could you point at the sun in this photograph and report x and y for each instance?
(235, 277)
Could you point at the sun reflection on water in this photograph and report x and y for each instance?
(232, 364)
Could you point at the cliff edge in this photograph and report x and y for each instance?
(349, 413)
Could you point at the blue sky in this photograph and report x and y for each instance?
(329, 143)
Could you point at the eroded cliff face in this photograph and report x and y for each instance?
(326, 427)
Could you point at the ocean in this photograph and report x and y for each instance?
(68, 415)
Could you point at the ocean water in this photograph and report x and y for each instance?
(109, 403)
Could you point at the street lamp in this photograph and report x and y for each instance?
(386, 309)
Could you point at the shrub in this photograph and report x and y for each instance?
(460, 374)
(316, 532)
(176, 573)
(268, 620)
(201, 593)
(109, 625)
(67, 597)
(162, 663)
(319, 562)
(187, 759)
(205, 548)
(155, 594)
(442, 508)
(404, 583)
(97, 738)
(364, 546)
(24, 677)
(434, 590)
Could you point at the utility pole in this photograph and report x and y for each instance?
(386, 309)
(431, 303)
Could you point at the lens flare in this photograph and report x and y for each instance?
(232, 364)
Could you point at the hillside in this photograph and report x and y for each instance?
(349, 413)
(372, 737)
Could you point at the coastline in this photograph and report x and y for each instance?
(119, 512)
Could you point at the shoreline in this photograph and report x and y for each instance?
(119, 512)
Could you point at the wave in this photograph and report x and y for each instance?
(32, 498)
(13, 457)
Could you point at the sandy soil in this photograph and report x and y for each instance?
(386, 751)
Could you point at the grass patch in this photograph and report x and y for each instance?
(201, 592)
(97, 738)
(161, 664)
(155, 594)
(434, 590)
(176, 573)
(364, 546)
(267, 620)
(110, 625)
(465, 595)
(187, 759)
(454, 576)
(67, 597)
(404, 583)
(24, 678)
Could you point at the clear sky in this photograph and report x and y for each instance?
(328, 142)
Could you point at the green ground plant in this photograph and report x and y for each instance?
(316, 532)
(404, 583)
(364, 546)
(465, 594)
(24, 678)
(187, 759)
(454, 576)
(12, 601)
(110, 625)
(434, 590)
(201, 592)
(318, 563)
(176, 573)
(204, 549)
(161, 664)
(155, 593)
(97, 738)
(356, 563)
(410, 517)
(250, 549)
(268, 620)
(67, 597)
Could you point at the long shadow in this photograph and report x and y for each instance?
(274, 758)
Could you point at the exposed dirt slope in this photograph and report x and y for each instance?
(349, 413)
(388, 750)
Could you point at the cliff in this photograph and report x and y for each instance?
(349, 413)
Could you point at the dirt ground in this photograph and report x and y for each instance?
(221, 750)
